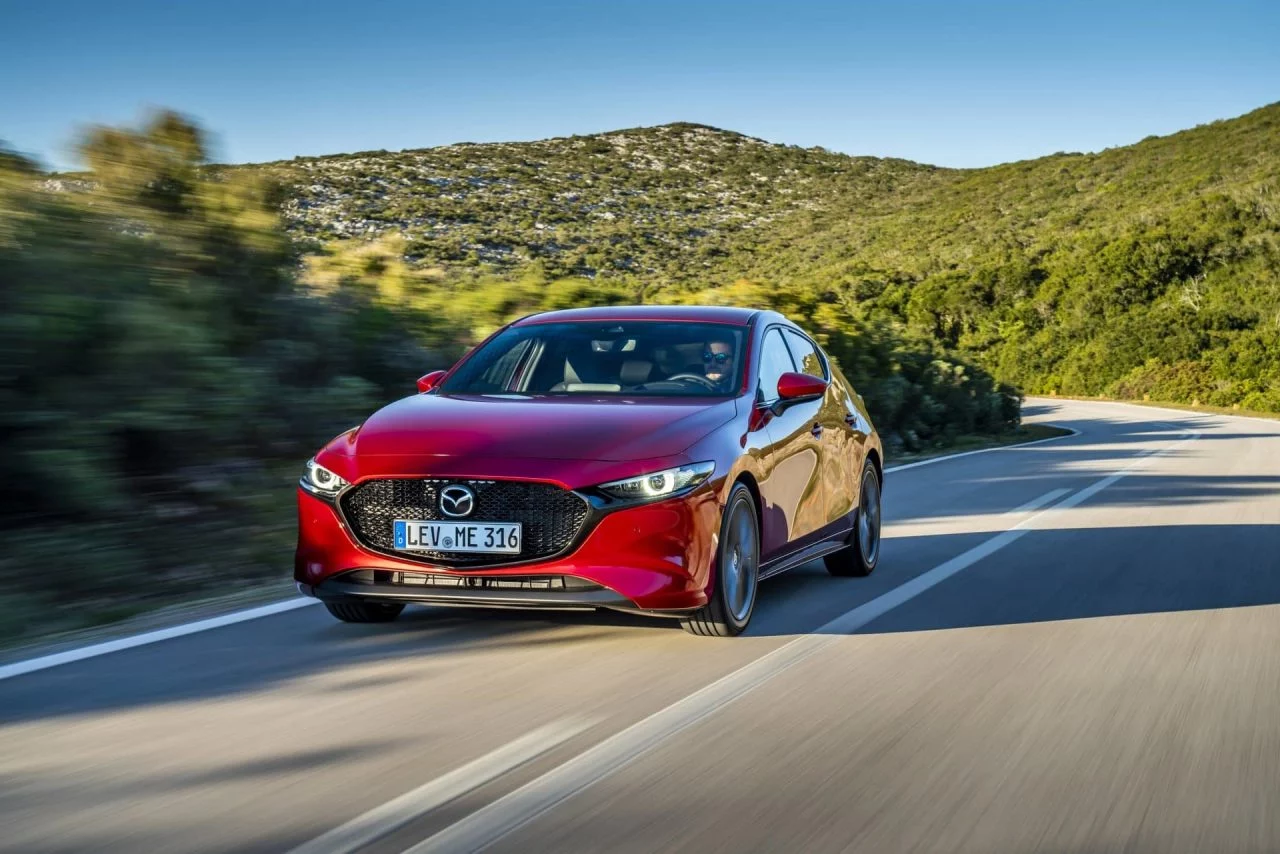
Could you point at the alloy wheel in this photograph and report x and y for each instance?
(738, 566)
(869, 518)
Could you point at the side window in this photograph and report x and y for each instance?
(806, 355)
(775, 361)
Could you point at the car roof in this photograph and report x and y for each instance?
(691, 313)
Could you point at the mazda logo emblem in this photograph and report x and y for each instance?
(457, 501)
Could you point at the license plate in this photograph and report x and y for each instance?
(470, 537)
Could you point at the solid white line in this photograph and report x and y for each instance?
(1140, 407)
(19, 668)
(510, 812)
(44, 662)
(863, 614)
(487, 825)
(946, 457)
(490, 823)
(395, 814)
(851, 621)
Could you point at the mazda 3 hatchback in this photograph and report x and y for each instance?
(660, 460)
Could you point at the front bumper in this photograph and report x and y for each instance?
(435, 589)
(651, 557)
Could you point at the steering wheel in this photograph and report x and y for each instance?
(701, 380)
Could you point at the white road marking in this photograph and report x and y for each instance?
(395, 814)
(494, 821)
(853, 620)
(487, 825)
(490, 823)
(946, 457)
(18, 668)
(1146, 407)
(44, 662)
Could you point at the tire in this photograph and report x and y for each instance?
(737, 571)
(364, 612)
(862, 554)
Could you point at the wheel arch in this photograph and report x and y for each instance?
(874, 456)
(748, 480)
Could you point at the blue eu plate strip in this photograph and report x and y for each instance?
(401, 542)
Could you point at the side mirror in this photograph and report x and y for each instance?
(430, 381)
(794, 387)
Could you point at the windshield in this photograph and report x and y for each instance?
(593, 358)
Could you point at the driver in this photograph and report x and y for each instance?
(717, 362)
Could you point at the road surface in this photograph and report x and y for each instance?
(1073, 646)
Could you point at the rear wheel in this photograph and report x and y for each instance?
(737, 571)
(364, 612)
(863, 551)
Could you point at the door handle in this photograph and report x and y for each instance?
(854, 420)
(816, 430)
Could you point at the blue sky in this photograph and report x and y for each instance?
(953, 83)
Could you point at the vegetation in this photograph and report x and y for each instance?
(1145, 271)
(169, 358)
(1151, 271)
(177, 337)
(157, 362)
(653, 205)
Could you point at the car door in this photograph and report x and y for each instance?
(857, 424)
(790, 491)
(839, 453)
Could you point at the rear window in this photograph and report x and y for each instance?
(591, 358)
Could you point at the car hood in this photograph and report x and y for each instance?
(538, 428)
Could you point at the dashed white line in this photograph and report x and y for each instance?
(395, 814)
(487, 825)
(44, 662)
(491, 823)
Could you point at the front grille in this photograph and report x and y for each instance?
(550, 517)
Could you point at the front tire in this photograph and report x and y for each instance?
(364, 612)
(862, 554)
(737, 571)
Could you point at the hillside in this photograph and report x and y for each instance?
(1149, 270)
(660, 202)
(168, 359)
(1145, 270)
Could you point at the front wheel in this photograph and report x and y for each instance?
(364, 612)
(737, 571)
(863, 552)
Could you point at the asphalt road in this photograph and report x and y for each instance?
(1067, 647)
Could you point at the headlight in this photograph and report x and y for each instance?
(659, 484)
(321, 481)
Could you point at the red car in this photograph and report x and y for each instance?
(660, 460)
